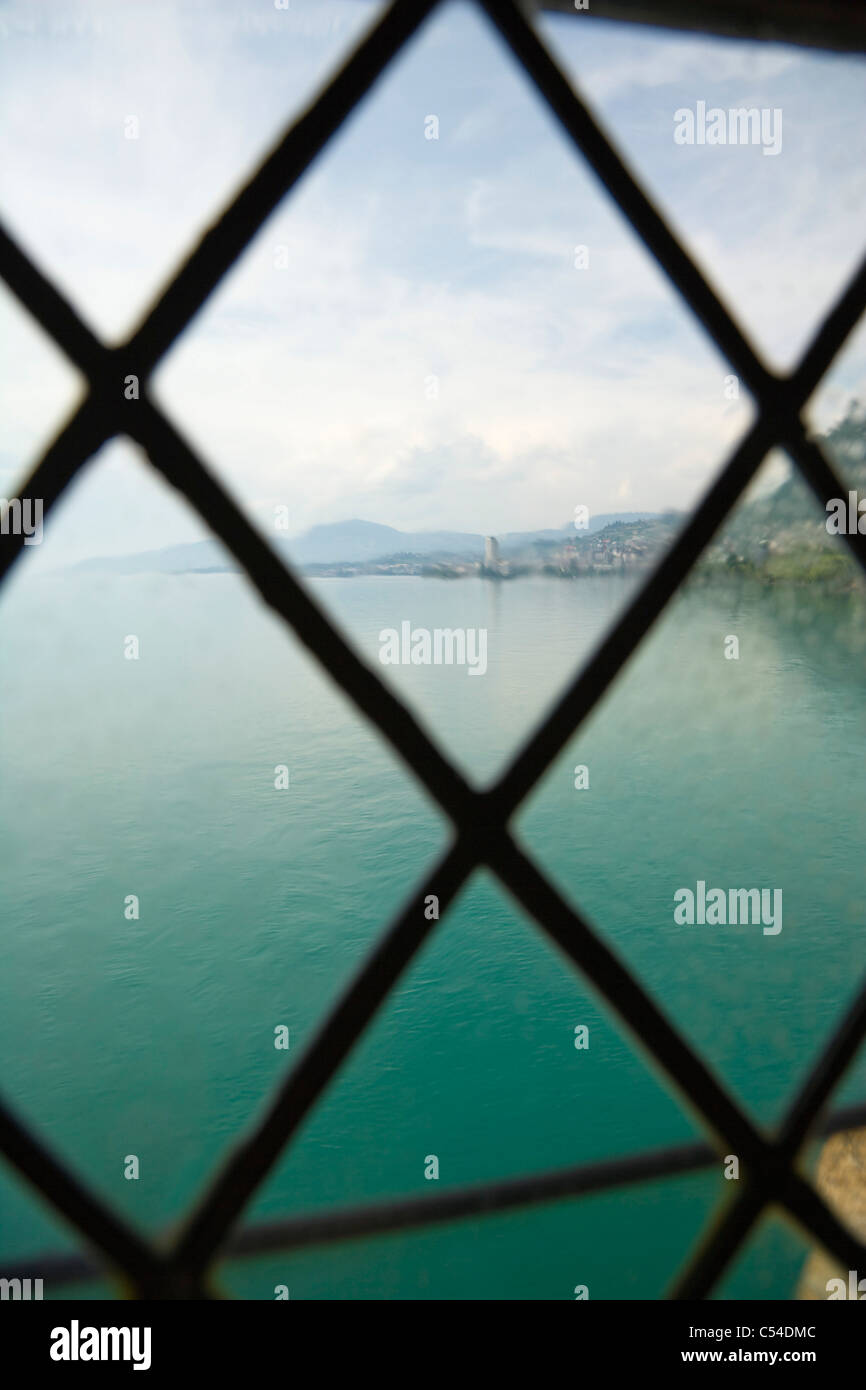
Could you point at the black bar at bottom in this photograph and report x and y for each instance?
(219, 1339)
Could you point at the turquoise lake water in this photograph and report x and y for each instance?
(155, 1037)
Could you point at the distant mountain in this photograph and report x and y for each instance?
(513, 541)
(780, 536)
(348, 541)
(173, 559)
(344, 542)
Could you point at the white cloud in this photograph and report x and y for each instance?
(406, 259)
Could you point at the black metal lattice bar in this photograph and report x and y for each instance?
(480, 818)
(831, 24)
(381, 1218)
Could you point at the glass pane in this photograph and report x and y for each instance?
(725, 762)
(427, 348)
(125, 129)
(492, 1057)
(769, 1266)
(748, 149)
(204, 847)
(622, 1245)
(38, 388)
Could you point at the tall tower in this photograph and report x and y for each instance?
(491, 553)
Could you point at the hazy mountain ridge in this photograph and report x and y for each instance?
(347, 542)
(782, 536)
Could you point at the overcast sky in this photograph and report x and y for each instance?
(408, 259)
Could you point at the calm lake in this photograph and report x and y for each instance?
(154, 1036)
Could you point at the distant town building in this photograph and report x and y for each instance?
(491, 553)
